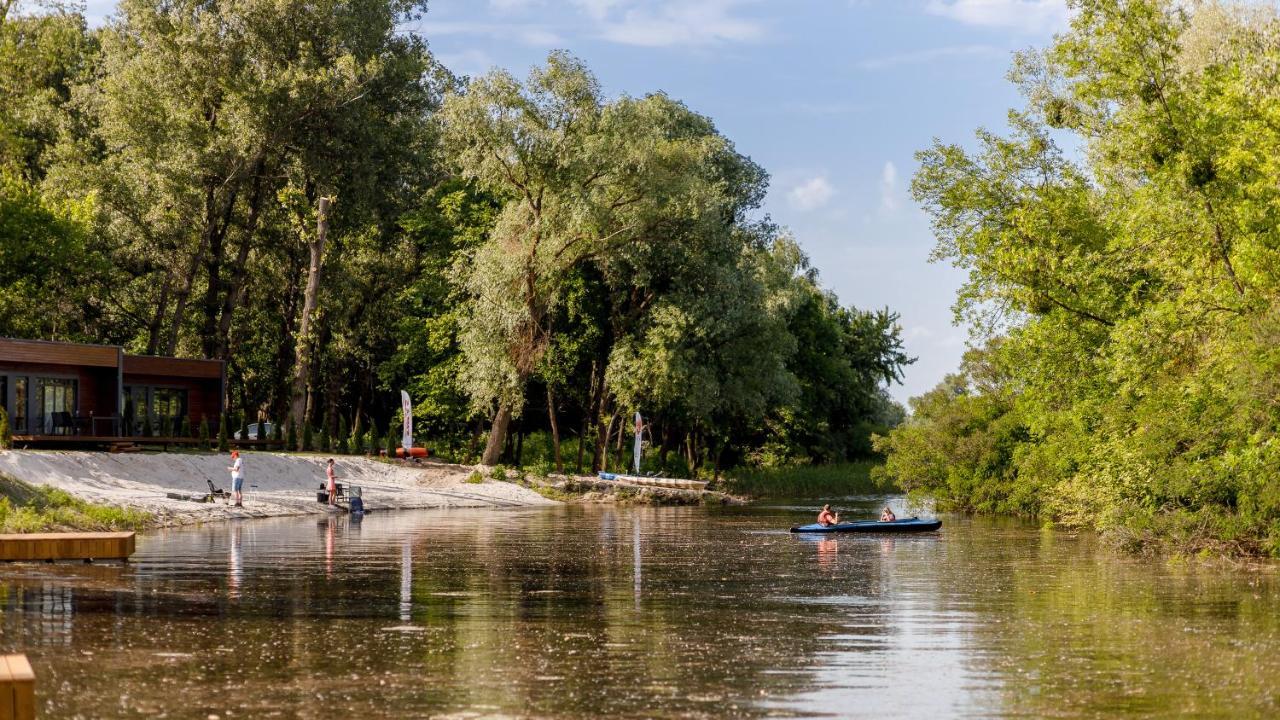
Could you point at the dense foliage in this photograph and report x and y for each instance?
(1133, 283)
(300, 189)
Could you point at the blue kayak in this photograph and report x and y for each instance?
(873, 526)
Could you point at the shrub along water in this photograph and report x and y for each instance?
(27, 508)
(1131, 285)
(806, 481)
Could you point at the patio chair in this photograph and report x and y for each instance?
(217, 492)
(62, 423)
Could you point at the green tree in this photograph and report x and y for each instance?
(1133, 281)
(580, 180)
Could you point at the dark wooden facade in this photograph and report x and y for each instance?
(69, 389)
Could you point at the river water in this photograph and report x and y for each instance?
(585, 612)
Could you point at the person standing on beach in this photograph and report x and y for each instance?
(237, 476)
(333, 482)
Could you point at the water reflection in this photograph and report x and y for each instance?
(636, 612)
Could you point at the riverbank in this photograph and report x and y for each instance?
(164, 485)
(812, 481)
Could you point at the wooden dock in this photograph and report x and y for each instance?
(17, 688)
(67, 546)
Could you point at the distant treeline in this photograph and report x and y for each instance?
(1129, 286)
(300, 189)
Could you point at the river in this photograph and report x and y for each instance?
(586, 612)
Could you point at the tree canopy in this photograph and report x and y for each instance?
(1130, 283)
(303, 191)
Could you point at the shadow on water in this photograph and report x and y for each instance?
(638, 612)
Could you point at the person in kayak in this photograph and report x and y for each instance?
(826, 517)
(887, 515)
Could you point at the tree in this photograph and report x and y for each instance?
(1132, 284)
(580, 180)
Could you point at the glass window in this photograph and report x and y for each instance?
(19, 416)
(135, 408)
(169, 404)
(56, 399)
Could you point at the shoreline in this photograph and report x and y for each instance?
(276, 484)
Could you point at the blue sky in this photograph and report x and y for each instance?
(832, 97)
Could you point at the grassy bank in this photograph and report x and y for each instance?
(805, 481)
(26, 508)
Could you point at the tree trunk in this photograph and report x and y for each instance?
(237, 287)
(497, 436)
(182, 296)
(302, 372)
(555, 429)
(157, 318)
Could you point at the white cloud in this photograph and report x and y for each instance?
(510, 6)
(468, 62)
(1031, 16)
(674, 22)
(889, 187)
(811, 194)
(919, 57)
(597, 9)
(529, 34)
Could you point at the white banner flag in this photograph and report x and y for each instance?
(406, 440)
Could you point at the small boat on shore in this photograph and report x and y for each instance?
(679, 483)
(872, 526)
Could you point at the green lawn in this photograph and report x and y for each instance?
(26, 508)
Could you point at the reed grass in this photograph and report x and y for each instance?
(27, 508)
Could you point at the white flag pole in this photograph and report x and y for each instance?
(406, 437)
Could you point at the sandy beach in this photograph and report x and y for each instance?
(276, 484)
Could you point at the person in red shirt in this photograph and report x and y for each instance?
(826, 517)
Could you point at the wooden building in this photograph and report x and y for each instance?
(55, 389)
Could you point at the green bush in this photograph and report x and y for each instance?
(291, 438)
(308, 438)
(204, 432)
(25, 508)
(475, 478)
(344, 436)
(325, 441)
(390, 444)
(805, 481)
(147, 430)
(499, 472)
(356, 445)
(186, 427)
(224, 443)
(6, 438)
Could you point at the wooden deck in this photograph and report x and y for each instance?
(17, 688)
(66, 546)
(107, 440)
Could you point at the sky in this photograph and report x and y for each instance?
(832, 97)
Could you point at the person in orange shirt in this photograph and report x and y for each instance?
(826, 517)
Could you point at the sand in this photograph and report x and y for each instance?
(276, 484)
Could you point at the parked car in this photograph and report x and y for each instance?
(259, 431)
